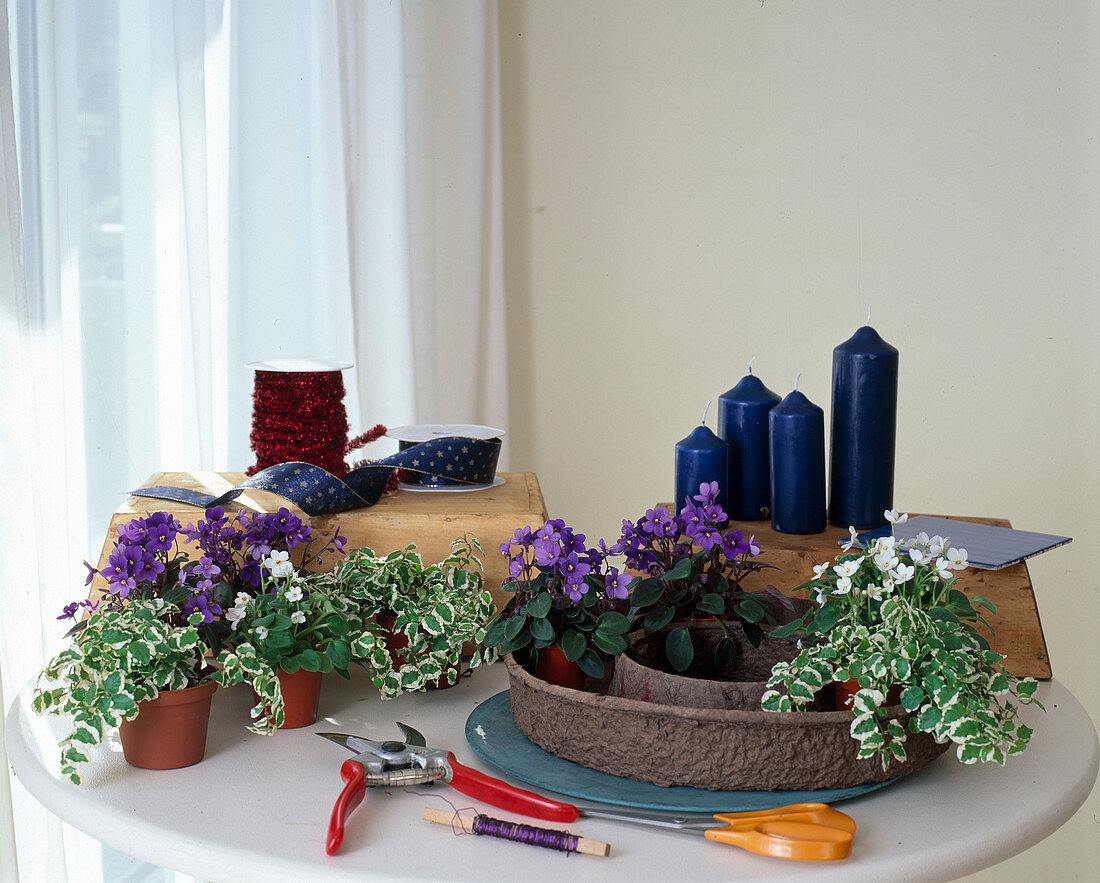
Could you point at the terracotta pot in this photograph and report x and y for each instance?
(169, 731)
(301, 694)
(396, 641)
(846, 691)
(552, 667)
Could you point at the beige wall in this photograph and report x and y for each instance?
(689, 184)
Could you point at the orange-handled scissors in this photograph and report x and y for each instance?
(802, 831)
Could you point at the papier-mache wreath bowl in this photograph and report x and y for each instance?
(711, 748)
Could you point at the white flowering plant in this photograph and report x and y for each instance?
(890, 615)
(291, 624)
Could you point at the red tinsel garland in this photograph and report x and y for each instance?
(300, 415)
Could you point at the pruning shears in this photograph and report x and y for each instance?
(803, 831)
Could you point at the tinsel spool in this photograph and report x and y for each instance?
(298, 414)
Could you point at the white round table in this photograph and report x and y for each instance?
(257, 808)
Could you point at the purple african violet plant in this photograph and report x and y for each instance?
(566, 594)
(146, 561)
(694, 567)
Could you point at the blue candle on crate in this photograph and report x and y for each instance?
(701, 457)
(743, 425)
(796, 429)
(864, 428)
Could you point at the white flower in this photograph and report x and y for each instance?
(893, 517)
(278, 564)
(918, 556)
(876, 592)
(922, 539)
(848, 568)
(957, 559)
(261, 632)
(234, 615)
(888, 584)
(844, 585)
(820, 570)
(886, 560)
(903, 573)
(242, 599)
(936, 546)
(885, 544)
(293, 593)
(298, 617)
(943, 568)
(851, 539)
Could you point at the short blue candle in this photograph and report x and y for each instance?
(701, 457)
(864, 429)
(796, 427)
(743, 425)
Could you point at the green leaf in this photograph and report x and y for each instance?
(711, 603)
(573, 645)
(613, 623)
(591, 664)
(723, 652)
(912, 698)
(339, 653)
(658, 618)
(311, 660)
(679, 649)
(680, 570)
(929, 719)
(610, 644)
(647, 591)
(786, 630)
(541, 630)
(826, 618)
(539, 606)
(750, 610)
(514, 626)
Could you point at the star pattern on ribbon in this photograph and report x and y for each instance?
(317, 491)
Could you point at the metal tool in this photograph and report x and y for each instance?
(394, 764)
(803, 831)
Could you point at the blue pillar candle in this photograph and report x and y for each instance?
(864, 429)
(701, 457)
(796, 429)
(743, 425)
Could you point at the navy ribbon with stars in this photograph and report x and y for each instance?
(317, 491)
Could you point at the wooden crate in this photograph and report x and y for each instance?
(430, 520)
(1019, 633)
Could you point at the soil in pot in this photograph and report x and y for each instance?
(169, 731)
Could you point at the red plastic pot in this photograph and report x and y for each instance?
(169, 731)
(552, 666)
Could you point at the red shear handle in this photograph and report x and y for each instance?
(485, 788)
(351, 771)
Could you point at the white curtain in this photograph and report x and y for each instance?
(190, 186)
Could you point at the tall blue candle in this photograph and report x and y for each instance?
(796, 429)
(743, 425)
(701, 457)
(864, 429)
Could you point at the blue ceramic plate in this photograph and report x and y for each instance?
(495, 738)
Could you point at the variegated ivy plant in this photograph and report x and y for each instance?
(890, 616)
(126, 654)
(439, 608)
